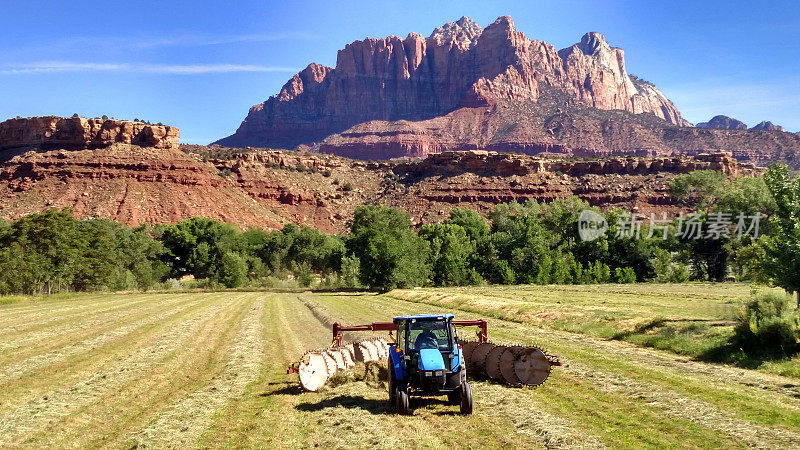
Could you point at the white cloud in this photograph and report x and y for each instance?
(192, 40)
(45, 67)
(174, 40)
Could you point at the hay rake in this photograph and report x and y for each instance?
(515, 365)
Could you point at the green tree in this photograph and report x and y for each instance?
(49, 246)
(451, 250)
(473, 224)
(196, 246)
(782, 248)
(390, 252)
(304, 275)
(699, 188)
(232, 270)
(350, 272)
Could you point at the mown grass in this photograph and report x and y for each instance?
(692, 319)
(749, 401)
(611, 392)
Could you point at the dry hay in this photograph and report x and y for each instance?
(528, 420)
(184, 422)
(25, 366)
(685, 408)
(46, 409)
(374, 373)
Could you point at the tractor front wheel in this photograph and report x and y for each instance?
(401, 401)
(466, 398)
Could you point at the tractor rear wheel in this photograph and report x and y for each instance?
(392, 383)
(401, 401)
(466, 398)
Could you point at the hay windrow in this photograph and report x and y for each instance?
(184, 422)
(46, 409)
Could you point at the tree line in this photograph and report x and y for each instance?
(536, 243)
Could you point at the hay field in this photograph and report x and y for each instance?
(209, 370)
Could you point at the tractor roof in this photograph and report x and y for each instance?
(424, 317)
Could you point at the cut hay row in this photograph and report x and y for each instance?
(153, 314)
(733, 399)
(81, 330)
(184, 422)
(209, 370)
(192, 364)
(684, 407)
(44, 411)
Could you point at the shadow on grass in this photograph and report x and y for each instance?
(373, 406)
(730, 353)
(286, 389)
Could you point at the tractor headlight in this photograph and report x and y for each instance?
(429, 373)
(439, 373)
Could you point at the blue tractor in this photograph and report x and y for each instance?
(427, 360)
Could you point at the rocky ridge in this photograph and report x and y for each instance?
(721, 122)
(269, 188)
(459, 66)
(81, 133)
(767, 126)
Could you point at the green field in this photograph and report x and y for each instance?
(209, 370)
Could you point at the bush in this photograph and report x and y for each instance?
(680, 274)
(624, 275)
(350, 272)
(233, 271)
(769, 324)
(304, 275)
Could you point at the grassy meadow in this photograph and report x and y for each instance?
(642, 368)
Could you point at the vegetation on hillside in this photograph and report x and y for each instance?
(529, 243)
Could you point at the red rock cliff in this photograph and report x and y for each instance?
(460, 65)
(80, 133)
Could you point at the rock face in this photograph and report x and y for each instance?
(80, 133)
(480, 179)
(459, 66)
(767, 126)
(268, 189)
(721, 122)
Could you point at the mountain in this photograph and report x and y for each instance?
(767, 126)
(460, 66)
(721, 122)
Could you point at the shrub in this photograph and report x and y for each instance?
(680, 274)
(769, 324)
(350, 272)
(233, 270)
(624, 275)
(304, 275)
(347, 187)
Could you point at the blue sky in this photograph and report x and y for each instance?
(200, 65)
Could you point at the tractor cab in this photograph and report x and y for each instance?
(427, 360)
